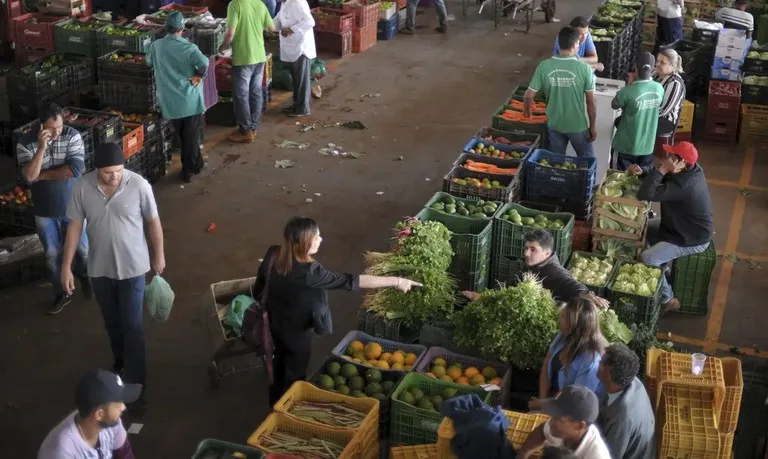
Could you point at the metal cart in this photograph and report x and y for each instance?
(502, 8)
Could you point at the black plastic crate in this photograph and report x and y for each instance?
(754, 94)
(705, 36)
(139, 163)
(209, 40)
(7, 145)
(139, 42)
(158, 150)
(23, 271)
(18, 217)
(34, 81)
(83, 74)
(108, 127)
(25, 108)
(128, 97)
(581, 210)
(755, 66)
(114, 67)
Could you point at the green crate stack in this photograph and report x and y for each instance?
(518, 94)
(508, 237)
(517, 127)
(380, 327)
(138, 43)
(690, 280)
(436, 334)
(600, 291)
(209, 40)
(506, 270)
(471, 243)
(80, 42)
(635, 309)
(410, 425)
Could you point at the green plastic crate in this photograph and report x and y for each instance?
(602, 290)
(506, 270)
(410, 425)
(635, 309)
(436, 333)
(470, 240)
(209, 40)
(517, 127)
(690, 280)
(78, 42)
(214, 449)
(475, 282)
(503, 193)
(508, 237)
(441, 196)
(137, 43)
(519, 94)
(395, 330)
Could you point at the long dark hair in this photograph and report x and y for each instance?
(584, 335)
(298, 235)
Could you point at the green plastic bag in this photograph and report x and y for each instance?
(237, 310)
(281, 73)
(158, 297)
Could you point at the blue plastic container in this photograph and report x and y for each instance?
(387, 29)
(552, 182)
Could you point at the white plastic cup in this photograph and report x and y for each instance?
(697, 363)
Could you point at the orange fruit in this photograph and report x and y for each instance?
(446, 378)
(498, 381)
(477, 379)
(407, 367)
(410, 358)
(398, 366)
(382, 364)
(454, 372)
(386, 356)
(462, 380)
(372, 350)
(373, 362)
(359, 355)
(471, 371)
(398, 357)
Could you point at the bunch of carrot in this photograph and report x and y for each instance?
(477, 166)
(515, 113)
(536, 107)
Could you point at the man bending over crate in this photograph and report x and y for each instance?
(51, 158)
(687, 225)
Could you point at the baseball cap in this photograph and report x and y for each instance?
(644, 64)
(684, 150)
(576, 402)
(175, 20)
(99, 387)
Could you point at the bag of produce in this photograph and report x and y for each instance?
(237, 310)
(158, 297)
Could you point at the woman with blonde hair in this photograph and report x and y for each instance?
(297, 298)
(669, 67)
(575, 353)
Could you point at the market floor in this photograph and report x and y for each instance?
(422, 98)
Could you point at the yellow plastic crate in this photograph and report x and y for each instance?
(652, 371)
(690, 423)
(734, 387)
(754, 121)
(281, 422)
(520, 426)
(675, 368)
(414, 452)
(368, 432)
(726, 446)
(685, 122)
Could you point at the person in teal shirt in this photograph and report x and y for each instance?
(180, 67)
(639, 102)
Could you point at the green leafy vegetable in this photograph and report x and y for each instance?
(613, 329)
(637, 279)
(591, 270)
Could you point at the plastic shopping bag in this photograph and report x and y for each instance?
(237, 310)
(158, 297)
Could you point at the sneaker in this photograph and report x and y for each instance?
(408, 31)
(58, 304)
(672, 305)
(240, 137)
(288, 110)
(297, 115)
(86, 288)
(441, 29)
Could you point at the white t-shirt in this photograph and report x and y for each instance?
(592, 445)
(669, 8)
(65, 442)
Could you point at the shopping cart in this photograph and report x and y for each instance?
(506, 8)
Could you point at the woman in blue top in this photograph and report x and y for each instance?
(575, 353)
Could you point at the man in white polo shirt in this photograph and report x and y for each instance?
(117, 204)
(737, 17)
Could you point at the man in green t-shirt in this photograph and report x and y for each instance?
(639, 102)
(246, 21)
(569, 85)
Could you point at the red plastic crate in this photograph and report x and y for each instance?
(134, 140)
(363, 38)
(724, 98)
(24, 56)
(338, 44)
(38, 35)
(366, 11)
(582, 235)
(13, 8)
(224, 74)
(331, 20)
(721, 128)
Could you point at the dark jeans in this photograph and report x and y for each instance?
(301, 85)
(558, 143)
(410, 15)
(291, 360)
(668, 31)
(248, 98)
(51, 231)
(623, 161)
(121, 303)
(188, 129)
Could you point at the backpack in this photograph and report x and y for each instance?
(256, 332)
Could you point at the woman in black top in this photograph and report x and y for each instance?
(297, 299)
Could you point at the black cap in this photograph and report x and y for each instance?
(576, 402)
(645, 64)
(99, 387)
(107, 155)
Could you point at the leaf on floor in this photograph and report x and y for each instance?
(354, 125)
(732, 258)
(370, 95)
(745, 192)
(337, 151)
(284, 163)
(292, 145)
(306, 127)
(754, 265)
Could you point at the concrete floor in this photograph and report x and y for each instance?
(435, 92)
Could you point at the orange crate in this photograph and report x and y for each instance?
(414, 452)
(280, 422)
(675, 368)
(363, 38)
(690, 428)
(582, 233)
(367, 432)
(734, 386)
(133, 139)
(366, 12)
(520, 426)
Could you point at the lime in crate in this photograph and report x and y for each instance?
(465, 183)
(551, 175)
(497, 150)
(513, 221)
(635, 293)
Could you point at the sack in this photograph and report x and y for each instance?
(158, 297)
(255, 330)
(237, 311)
(322, 322)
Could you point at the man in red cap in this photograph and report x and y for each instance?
(686, 227)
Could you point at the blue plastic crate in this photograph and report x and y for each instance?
(551, 182)
(521, 151)
(387, 29)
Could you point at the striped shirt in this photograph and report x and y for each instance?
(50, 197)
(674, 95)
(733, 18)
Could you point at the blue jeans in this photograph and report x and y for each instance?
(623, 161)
(248, 98)
(410, 14)
(558, 143)
(661, 254)
(121, 303)
(271, 7)
(51, 231)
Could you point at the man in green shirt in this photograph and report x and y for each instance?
(639, 102)
(179, 71)
(569, 85)
(246, 21)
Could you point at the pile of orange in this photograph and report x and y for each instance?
(469, 376)
(372, 354)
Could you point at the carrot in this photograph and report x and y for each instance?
(537, 106)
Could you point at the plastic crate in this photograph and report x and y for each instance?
(401, 14)
(364, 38)
(415, 426)
(335, 43)
(128, 97)
(381, 327)
(107, 128)
(521, 425)
(210, 89)
(209, 39)
(39, 84)
(332, 20)
(582, 235)
(24, 271)
(133, 140)
(722, 128)
(754, 123)
(502, 371)
(471, 239)
(186, 10)
(110, 69)
(83, 74)
(24, 108)
(551, 182)
(518, 94)
(685, 123)
(442, 196)
(635, 309)
(37, 34)
(503, 193)
(279, 422)
(82, 42)
(516, 127)
(386, 29)
(210, 447)
(581, 210)
(138, 43)
(755, 66)
(511, 152)
(690, 428)
(438, 334)
(705, 36)
(223, 71)
(651, 373)
(674, 370)
(366, 12)
(139, 163)
(599, 290)
(690, 280)
(508, 237)
(414, 452)
(386, 346)
(506, 270)
(734, 388)
(17, 216)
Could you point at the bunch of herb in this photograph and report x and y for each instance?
(513, 324)
(644, 338)
(613, 329)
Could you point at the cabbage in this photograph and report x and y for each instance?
(644, 290)
(637, 279)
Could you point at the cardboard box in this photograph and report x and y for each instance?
(727, 63)
(737, 41)
(726, 74)
(731, 52)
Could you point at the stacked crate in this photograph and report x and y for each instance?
(684, 129)
(691, 277)
(126, 82)
(696, 65)
(723, 107)
(33, 36)
(364, 32)
(222, 113)
(632, 235)
(95, 127)
(10, 10)
(128, 37)
(618, 55)
(732, 47)
(333, 31)
(754, 98)
(387, 26)
(534, 126)
(564, 181)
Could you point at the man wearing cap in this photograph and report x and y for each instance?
(639, 102)
(95, 429)
(180, 67)
(118, 204)
(686, 225)
(573, 413)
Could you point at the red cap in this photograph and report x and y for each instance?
(684, 150)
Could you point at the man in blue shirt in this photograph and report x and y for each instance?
(180, 67)
(587, 51)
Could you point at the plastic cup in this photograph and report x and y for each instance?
(697, 363)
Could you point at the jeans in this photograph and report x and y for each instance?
(271, 7)
(668, 31)
(248, 98)
(558, 143)
(623, 161)
(301, 85)
(188, 129)
(410, 16)
(662, 253)
(51, 231)
(121, 303)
